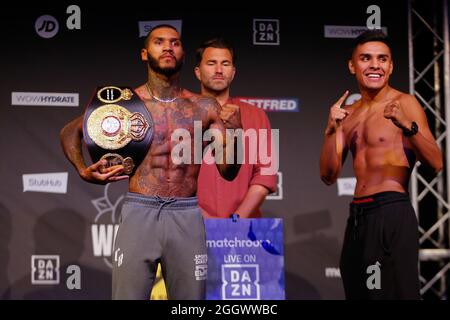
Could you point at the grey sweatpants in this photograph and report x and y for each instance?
(166, 230)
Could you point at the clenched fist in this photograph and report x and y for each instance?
(393, 111)
(230, 115)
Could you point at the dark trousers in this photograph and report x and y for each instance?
(379, 258)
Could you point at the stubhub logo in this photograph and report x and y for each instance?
(45, 182)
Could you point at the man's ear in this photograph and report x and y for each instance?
(351, 67)
(234, 73)
(391, 68)
(144, 56)
(197, 73)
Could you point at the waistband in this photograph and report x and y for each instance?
(172, 203)
(379, 199)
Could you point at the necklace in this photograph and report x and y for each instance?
(160, 99)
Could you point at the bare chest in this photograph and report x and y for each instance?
(370, 130)
(178, 118)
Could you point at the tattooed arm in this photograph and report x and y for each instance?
(71, 136)
(227, 166)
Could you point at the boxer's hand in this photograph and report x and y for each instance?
(393, 111)
(98, 173)
(336, 115)
(230, 115)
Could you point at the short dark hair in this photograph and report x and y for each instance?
(159, 26)
(369, 36)
(218, 43)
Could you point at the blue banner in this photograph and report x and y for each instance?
(245, 259)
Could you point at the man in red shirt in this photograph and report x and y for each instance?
(219, 198)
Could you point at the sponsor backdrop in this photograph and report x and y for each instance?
(55, 227)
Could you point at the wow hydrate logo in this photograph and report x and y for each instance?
(44, 99)
(346, 32)
(273, 104)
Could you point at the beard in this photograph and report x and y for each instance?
(168, 71)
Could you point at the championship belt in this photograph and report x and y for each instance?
(118, 127)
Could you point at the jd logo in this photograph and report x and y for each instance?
(374, 280)
(47, 26)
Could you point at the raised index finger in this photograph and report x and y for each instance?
(342, 99)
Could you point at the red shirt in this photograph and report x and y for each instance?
(219, 197)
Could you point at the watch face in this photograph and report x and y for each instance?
(414, 129)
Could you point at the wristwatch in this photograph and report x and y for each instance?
(410, 132)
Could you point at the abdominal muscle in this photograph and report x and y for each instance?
(158, 176)
(380, 169)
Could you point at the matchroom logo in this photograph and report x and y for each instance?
(52, 99)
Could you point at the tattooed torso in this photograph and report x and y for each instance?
(158, 174)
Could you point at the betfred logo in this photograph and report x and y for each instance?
(273, 104)
(45, 269)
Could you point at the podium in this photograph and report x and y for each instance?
(245, 259)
